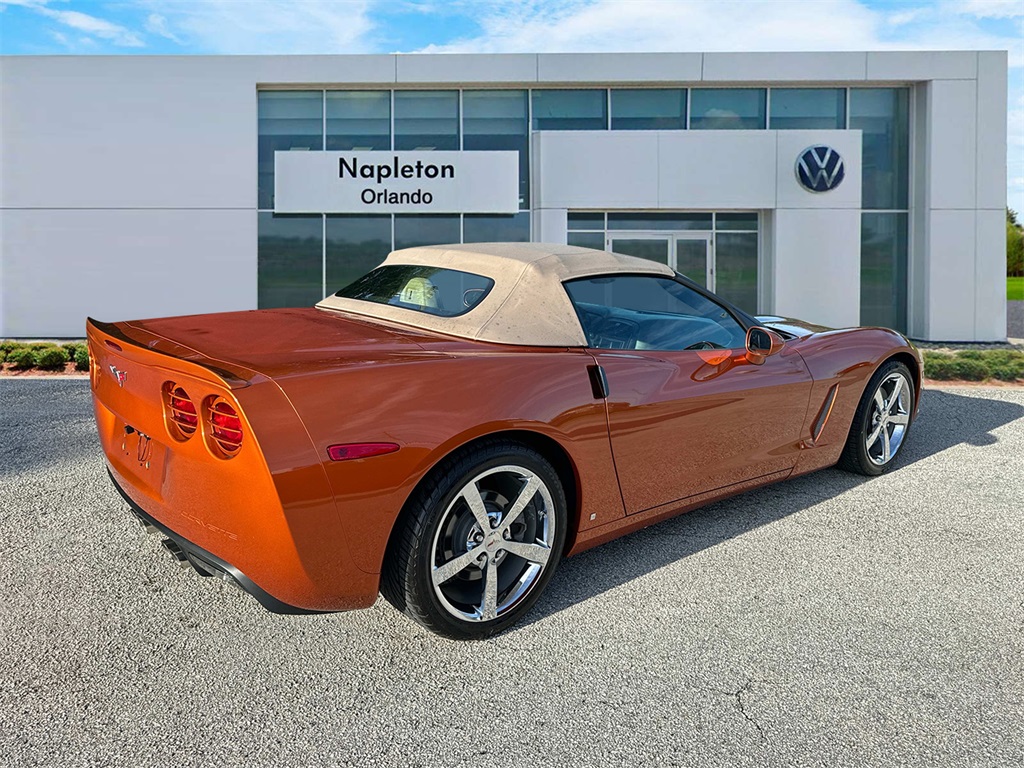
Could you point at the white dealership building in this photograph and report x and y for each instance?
(841, 188)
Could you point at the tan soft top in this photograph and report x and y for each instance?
(527, 304)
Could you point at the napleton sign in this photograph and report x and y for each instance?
(396, 182)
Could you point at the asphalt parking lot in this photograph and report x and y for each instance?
(829, 620)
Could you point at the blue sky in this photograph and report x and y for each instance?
(388, 26)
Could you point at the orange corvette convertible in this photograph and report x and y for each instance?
(449, 426)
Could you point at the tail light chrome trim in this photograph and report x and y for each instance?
(223, 427)
(180, 411)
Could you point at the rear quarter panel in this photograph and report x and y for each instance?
(431, 406)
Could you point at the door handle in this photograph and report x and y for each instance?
(598, 381)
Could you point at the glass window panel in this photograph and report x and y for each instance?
(586, 221)
(593, 240)
(355, 245)
(742, 222)
(650, 248)
(883, 270)
(701, 221)
(499, 120)
(648, 109)
(727, 108)
(359, 120)
(570, 110)
(427, 120)
(286, 120)
(808, 108)
(736, 269)
(692, 260)
(496, 228)
(289, 260)
(883, 114)
(415, 229)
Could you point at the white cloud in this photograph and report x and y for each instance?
(95, 26)
(157, 25)
(991, 9)
(265, 26)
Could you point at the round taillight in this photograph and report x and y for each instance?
(225, 427)
(182, 416)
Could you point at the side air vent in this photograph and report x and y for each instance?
(182, 417)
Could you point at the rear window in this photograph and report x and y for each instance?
(434, 290)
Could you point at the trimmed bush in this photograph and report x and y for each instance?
(51, 359)
(970, 370)
(39, 346)
(972, 354)
(23, 359)
(1008, 372)
(939, 366)
(71, 348)
(82, 359)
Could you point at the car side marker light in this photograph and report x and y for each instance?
(348, 451)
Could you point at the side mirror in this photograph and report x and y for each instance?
(762, 344)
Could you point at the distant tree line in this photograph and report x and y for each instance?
(1014, 245)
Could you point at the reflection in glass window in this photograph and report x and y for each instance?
(593, 240)
(427, 120)
(736, 269)
(648, 109)
(883, 270)
(480, 228)
(570, 110)
(883, 114)
(358, 120)
(586, 220)
(286, 120)
(289, 261)
(727, 108)
(355, 245)
(736, 222)
(794, 108)
(433, 290)
(413, 229)
(498, 120)
(637, 221)
(639, 312)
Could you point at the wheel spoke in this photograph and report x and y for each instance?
(896, 392)
(489, 606)
(880, 401)
(442, 573)
(535, 553)
(873, 437)
(900, 418)
(471, 494)
(886, 449)
(525, 497)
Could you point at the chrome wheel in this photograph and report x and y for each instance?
(890, 417)
(493, 543)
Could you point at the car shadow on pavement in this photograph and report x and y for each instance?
(946, 420)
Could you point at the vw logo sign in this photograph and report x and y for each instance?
(820, 169)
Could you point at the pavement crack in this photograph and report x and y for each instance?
(738, 696)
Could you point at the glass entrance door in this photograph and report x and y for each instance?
(693, 258)
(688, 253)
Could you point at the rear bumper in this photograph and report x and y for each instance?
(205, 563)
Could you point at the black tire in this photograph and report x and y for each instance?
(864, 455)
(439, 528)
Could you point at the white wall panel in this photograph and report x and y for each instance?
(991, 130)
(618, 67)
(951, 276)
(61, 266)
(83, 132)
(466, 68)
(908, 66)
(783, 67)
(791, 145)
(990, 276)
(595, 169)
(952, 144)
(816, 253)
(717, 169)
